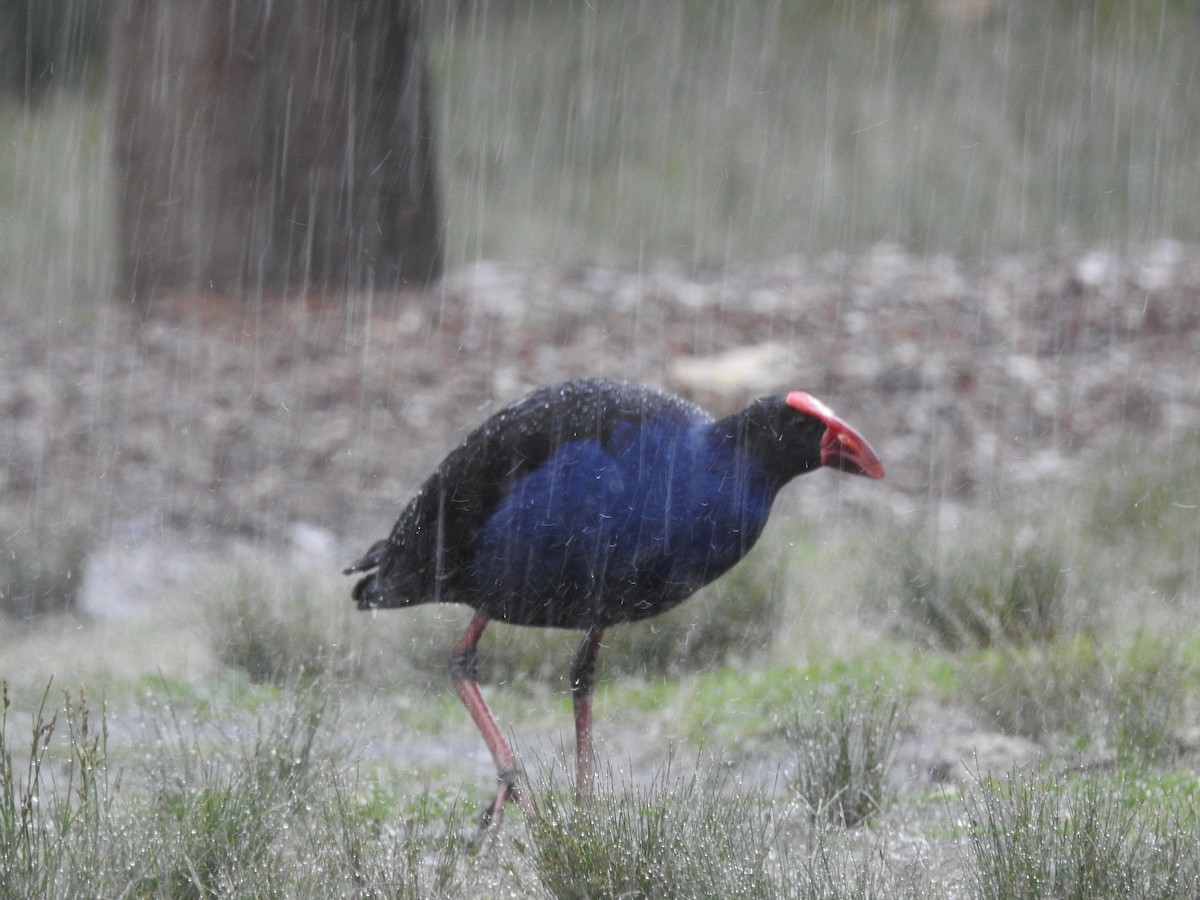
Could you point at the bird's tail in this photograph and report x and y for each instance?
(378, 592)
(369, 560)
(381, 589)
(367, 593)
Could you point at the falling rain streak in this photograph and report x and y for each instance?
(263, 265)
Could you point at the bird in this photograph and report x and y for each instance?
(586, 505)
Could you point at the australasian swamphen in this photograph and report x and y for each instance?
(589, 504)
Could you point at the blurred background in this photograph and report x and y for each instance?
(715, 134)
(263, 264)
(968, 224)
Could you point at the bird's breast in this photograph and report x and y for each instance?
(602, 536)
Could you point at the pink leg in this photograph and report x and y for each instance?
(463, 673)
(583, 679)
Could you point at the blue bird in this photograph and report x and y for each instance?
(589, 504)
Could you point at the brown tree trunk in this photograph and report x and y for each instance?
(273, 147)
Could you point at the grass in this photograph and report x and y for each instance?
(1061, 614)
(677, 837)
(844, 742)
(193, 813)
(1117, 705)
(1126, 700)
(1083, 836)
(271, 814)
(279, 625)
(738, 708)
(1146, 511)
(699, 834)
(277, 810)
(267, 794)
(727, 134)
(983, 586)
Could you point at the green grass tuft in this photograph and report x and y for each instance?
(279, 627)
(1081, 836)
(982, 587)
(54, 818)
(1126, 701)
(844, 740)
(1145, 511)
(674, 838)
(221, 814)
(695, 835)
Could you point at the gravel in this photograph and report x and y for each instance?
(215, 420)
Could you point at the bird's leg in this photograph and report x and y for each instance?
(463, 671)
(583, 679)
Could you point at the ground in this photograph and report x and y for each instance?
(204, 429)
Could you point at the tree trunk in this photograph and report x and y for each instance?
(267, 147)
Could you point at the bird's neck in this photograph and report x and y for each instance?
(751, 455)
(761, 451)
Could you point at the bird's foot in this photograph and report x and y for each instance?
(493, 816)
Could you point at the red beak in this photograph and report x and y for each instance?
(842, 447)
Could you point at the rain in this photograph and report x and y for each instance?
(263, 266)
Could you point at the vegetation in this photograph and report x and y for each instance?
(1083, 836)
(278, 813)
(282, 808)
(279, 777)
(727, 134)
(844, 742)
(677, 837)
(281, 626)
(991, 588)
(260, 786)
(1022, 626)
(721, 134)
(1146, 510)
(1126, 699)
(274, 814)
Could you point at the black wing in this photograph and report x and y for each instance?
(429, 550)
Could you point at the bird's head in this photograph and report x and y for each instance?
(841, 447)
(798, 433)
